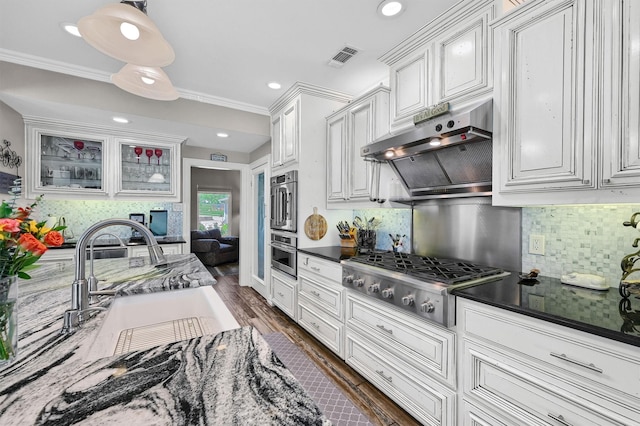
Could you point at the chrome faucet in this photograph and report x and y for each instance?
(92, 281)
(80, 291)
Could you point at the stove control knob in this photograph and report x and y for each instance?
(427, 306)
(374, 288)
(348, 279)
(359, 282)
(387, 293)
(407, 300)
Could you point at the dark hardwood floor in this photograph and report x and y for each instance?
(249, 308)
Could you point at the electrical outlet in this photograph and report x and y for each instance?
(536, 244)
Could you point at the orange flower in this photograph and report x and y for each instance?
(53, 239)
(29, 243)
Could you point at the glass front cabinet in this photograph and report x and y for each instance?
(68, 160)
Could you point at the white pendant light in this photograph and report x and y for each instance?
(124, 32)
(148, 82)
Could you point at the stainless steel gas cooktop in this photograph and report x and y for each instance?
(418, 284)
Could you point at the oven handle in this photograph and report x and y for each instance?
(283, 247)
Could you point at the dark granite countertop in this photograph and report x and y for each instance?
(603, 313)
(331, 253)
(112, 242)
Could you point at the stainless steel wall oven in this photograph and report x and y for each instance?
(284, 194)
(284, 252)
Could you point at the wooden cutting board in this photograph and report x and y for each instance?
(315, 227)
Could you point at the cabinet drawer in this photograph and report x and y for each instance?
(284, 293)
(429, 401)
(427, 346)
(323, 327)
(597, 360)
(332, 271)
(327, 296)
(527, 394)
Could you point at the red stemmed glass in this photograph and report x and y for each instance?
(158, 154)
(79, 145)
(149, 153)
(138, 152)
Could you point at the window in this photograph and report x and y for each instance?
(214, 210)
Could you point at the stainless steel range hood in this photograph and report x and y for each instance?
(446, 156)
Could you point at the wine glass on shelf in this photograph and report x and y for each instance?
(158, 152)
(79, 145)
(149, 153)
(138, 151)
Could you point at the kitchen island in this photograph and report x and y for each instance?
(231, 377)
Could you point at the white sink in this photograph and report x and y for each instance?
(143, 321)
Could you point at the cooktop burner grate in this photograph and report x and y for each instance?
(447, 271)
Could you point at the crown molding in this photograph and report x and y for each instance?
(299, 88)
(96, 75)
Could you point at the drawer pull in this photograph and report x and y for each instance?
(381, 327)
(316, 326)
(313, 268)
(315, 293)
(560, 419)
(573, 361)
(280, 294)
(387, 378)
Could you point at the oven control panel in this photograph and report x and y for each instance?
(426, 301)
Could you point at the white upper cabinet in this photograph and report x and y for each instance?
(542, 98)
(409, 88)
(462, 58)
(566, 110)
(285, 135)
(349, 129)
(621, 165)
(447, 60)
(75, 161)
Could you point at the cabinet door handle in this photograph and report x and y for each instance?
(382, 327)
(313, 268)
(280, 294)
(559, 419)
(315, 293)
(576, 362)
(387, 378)
(317, 327)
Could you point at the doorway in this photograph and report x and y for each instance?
(240, 222)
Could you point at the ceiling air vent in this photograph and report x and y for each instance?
(342, 56)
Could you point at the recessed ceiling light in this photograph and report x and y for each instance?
(274, 85)
(222, 135)
(71, 29)
(389, 8)
(120, 120)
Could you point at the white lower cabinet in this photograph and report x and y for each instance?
(533, 372)
(283, 293)
(143, 251)
(409, 359)
(320, 301)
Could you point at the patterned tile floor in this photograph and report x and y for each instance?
(333, 403)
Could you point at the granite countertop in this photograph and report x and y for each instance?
(232, 377)
(603, 313)
(331, 253)
(112, 242)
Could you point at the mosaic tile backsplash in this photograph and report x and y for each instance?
(588, 239)
(393, 221)
(80, 215)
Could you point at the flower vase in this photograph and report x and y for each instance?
(8, 319)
